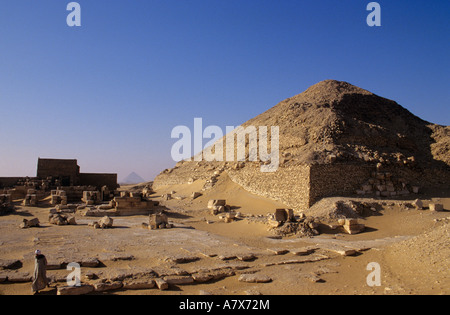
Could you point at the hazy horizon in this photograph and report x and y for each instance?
(109, 93)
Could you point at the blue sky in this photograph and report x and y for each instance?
(109, 92)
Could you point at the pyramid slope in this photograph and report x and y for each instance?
(339, 119)
(335, 138)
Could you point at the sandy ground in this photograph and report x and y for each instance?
(411, 247)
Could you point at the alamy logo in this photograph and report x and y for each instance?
(374, 277)
(256, 150)
(374, 17)
(74, 17)
(74, 278)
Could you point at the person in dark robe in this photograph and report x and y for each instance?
(40, 280)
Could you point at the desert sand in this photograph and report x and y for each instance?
(410, 245)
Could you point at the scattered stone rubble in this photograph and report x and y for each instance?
(91, 197)
(217, 206)
(61, 219)
(31, 199)
(436, 207)
(104, 223)
(29, 223)
(159, 221)
(284, 223)
(58, 197)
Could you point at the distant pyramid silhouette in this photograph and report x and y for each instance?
(133, 178)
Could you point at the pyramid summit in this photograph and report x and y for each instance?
(337, 118)
(335, 138)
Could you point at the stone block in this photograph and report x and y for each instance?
(161, 284)
(436, 207)
(418, 204)
(81, 290)
(354, 229)
(178, 280)
(102, 287)
(281, 215)
(139, 284)
(216, 203)
(157, 221)
(254, 278)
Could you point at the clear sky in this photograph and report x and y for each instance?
(110, 92)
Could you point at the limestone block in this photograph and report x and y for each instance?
(418, 204)
(436, 207)
(81, 290)
(157, 221)
(216, 203)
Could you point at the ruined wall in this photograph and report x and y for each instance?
(327, 180)
(98, 180)
(10, 181)
(185, 171)
(58, 168)
(289, 185)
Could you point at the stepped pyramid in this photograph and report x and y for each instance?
(335, 138)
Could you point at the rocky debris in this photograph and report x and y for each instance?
(254, 278)
(210, 182)
(344, 251)
(418, 204)
(285, 223)
(351, 226)
(436, 207)
(218, 206)
(10, 264)
(300, 260)
(331, 209)
(182, 259)
(90, 263)
(278, 251)
(107, 286)
(81, 290)
(159, 221)
(246, 257)
(91, 198)
(161, 284)
(29, 223)
(284, 215)
(228, 217)
(303, 251)
(195, 195)
(179, 280)
(216, 203)
(106, 222)
(58, 197)
(61, 219)
(138, 284)
(31, 199)
(306, 228)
